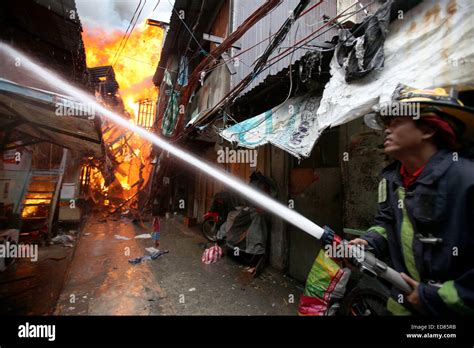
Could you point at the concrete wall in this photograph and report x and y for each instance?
(361, 173)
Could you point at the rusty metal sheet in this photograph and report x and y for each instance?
(269, 25)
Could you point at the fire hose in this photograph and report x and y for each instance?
(366, 261)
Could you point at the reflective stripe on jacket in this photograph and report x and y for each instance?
(439, 204)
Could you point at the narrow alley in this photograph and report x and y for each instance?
(181, 160)
(101, 281)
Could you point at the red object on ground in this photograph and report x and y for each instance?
(211, 254)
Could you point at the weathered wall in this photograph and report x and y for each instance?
(320, 202)
(13, 177)
(205, 187)
(278, 237)
(270, 24)
(361, 173)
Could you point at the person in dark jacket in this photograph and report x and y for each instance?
(425, 218)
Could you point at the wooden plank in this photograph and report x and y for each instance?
(219, 40)
(229, 63)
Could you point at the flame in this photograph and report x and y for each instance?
(36, 211)
(134, 69)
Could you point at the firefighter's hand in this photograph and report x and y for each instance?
(414, 297)
(359, 241)
(355, 241)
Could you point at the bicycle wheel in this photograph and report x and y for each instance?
(363, 301)
(209, 230)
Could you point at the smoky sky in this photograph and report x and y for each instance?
(116, 14)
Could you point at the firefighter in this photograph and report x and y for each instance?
(425, 218)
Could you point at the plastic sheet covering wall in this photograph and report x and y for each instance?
(291, 126)
(433, 45)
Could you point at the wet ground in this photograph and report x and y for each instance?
(101, 281)
(32, 287)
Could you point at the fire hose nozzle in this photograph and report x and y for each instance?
(329, 236)
(367, 262)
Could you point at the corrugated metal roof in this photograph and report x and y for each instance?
(35, 111)
(178, 36)
(269, 25)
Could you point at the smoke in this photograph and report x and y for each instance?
(116, 14)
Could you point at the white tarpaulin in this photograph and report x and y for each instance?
(431, 46)
(291, 126)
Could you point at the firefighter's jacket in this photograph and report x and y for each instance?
(439, 205)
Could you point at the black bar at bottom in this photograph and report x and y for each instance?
(258, 330)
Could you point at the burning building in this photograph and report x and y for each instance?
(125, 86)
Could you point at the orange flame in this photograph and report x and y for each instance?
(134, 69)
(135, 65)
(36, 210)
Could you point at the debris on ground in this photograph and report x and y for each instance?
(152, 250)
(143, 236)
(211, 255)
(192, 289)
(64, 239)
(119, 237)
(153, 256)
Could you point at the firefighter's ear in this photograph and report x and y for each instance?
(427, 131)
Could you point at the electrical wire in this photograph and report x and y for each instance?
(260, 63)
(300, 46)
(136, 21)
(233, 37)
(240, 53)
(187, 28)
(291, 77)
(307, 38)
(124, 36)
(281, 104)
(314, 32)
